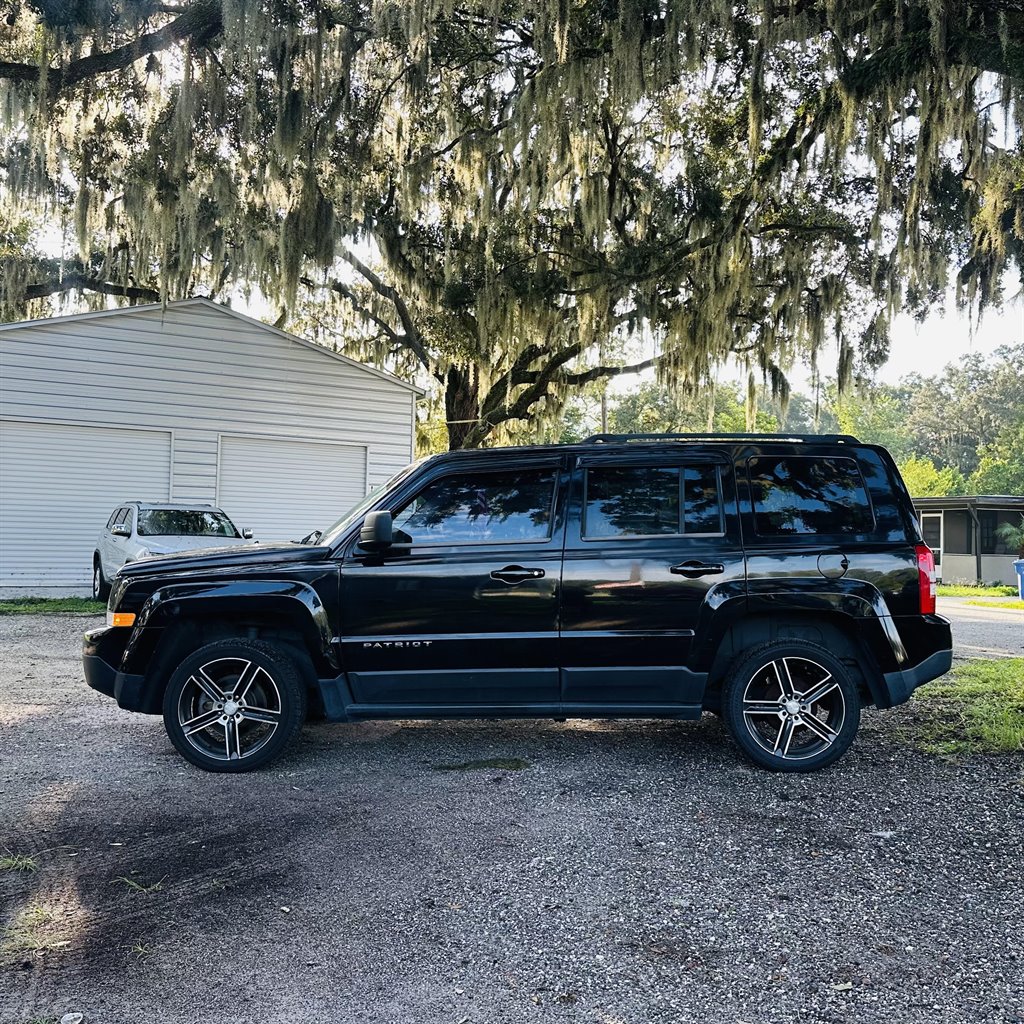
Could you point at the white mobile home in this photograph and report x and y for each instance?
(963, 534)
(185, 402)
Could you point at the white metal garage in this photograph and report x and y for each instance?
(185, 402)
(42, 466)
(313, 479)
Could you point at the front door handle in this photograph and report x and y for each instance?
(513, 574)
(694, 570)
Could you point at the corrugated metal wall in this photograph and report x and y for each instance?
(58, 485)
(193, 372)
(314, 482)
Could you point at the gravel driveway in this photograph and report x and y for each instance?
(632, 872)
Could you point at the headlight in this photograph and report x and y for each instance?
(120, 618)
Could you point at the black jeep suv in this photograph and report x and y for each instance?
(781, 582)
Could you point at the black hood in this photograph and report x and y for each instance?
(224, 558)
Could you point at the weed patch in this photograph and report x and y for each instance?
(979, 708)
(966, 590)
(134, 886)
(32, 931)
(17, 862)
(48, 605)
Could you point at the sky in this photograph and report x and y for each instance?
(923, 348)
(947, 335)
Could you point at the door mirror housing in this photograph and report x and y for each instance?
(377, 531)
(247, 534)
(121, 530)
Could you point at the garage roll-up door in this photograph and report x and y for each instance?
(284, 488)
(58, 485)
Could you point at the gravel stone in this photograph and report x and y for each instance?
(635, 871)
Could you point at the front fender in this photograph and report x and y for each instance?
(280, 602)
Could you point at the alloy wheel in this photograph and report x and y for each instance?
(793, 708)
(229, 708)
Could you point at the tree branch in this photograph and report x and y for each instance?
(88, 283)
(586, 376)
(200, 22)
(411, 338)
(366, 313)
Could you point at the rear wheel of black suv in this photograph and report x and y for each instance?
(234, 705)
(791, 706)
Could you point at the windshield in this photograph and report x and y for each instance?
(184, 522)
(333, 533)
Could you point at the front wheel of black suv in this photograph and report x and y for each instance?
(791, 706)
(234, 705)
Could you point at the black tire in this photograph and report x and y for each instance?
(809, 727)
(100, 586)
(234, 705)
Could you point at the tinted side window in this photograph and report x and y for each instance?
(804, 494)
(631, 501)
(481, 507)
(122, 515)
(647, 501)
(113, 516)
(702, 500)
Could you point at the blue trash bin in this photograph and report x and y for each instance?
(1019, 566)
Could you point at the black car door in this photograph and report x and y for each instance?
(462, 611)
(647, 538)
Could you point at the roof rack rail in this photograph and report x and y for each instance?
(839, 438)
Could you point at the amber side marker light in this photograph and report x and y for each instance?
(123, 619)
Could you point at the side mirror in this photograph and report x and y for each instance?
(247, 534)
(376, 532)
(121, 530)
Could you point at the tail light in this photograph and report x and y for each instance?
(926, 578)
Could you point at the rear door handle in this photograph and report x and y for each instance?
(513, 574)
(694, 570)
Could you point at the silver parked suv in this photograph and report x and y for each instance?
(139, 529)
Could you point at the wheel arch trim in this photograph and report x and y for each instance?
(277, 601)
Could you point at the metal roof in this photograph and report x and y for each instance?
(1013, 502)
(151, 307)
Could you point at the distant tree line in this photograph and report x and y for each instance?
(960, 431)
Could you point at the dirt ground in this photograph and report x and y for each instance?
(623, 873)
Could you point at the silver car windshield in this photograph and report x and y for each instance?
(184, 522)
(333, 534)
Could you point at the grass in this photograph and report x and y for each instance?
(511, 764)
(970, 590)
(142, 950)
(17, 862)
(999, 604)
(32, 931)
(44, 605)
(979, 708)
(134, 886)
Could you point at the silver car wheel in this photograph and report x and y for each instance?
(793, 708)
(229, 709)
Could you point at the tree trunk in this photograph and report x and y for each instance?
(461, 404)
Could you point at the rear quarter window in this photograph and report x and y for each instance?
(795, 495)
